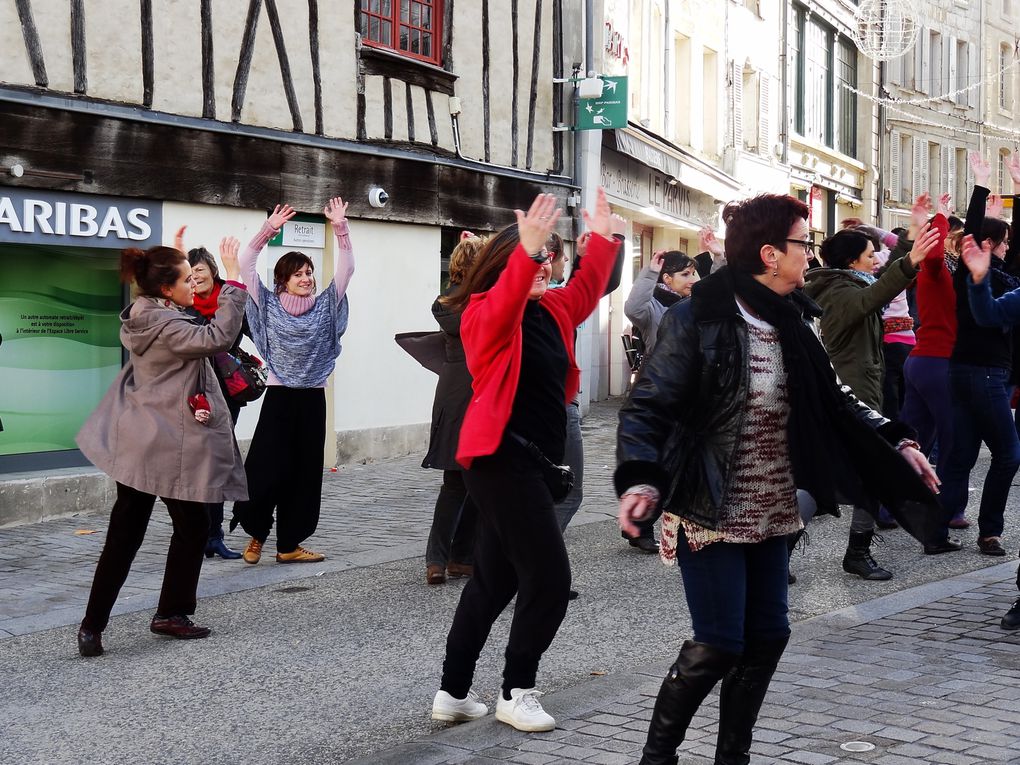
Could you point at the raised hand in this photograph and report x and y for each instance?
(946, 205)
(921, 210)
(619, 225)
(599, 222)
(535, 225)
(582, 246)
(994, 207)
(656, 262)
(851, 222)
(978, 259)
(980, 167)
(708, 243)
(924, 242)
(179, 240)
(229, 247)
(1012, 163)
(335, 211)
(465, 234)
(281, 214)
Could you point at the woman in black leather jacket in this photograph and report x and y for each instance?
(737, 408)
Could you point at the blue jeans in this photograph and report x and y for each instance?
(928, 407)
(981, 413)
(736, 592)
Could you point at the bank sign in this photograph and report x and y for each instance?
(28, 216)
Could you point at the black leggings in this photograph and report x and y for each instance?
(128, 522)
(518, 550)
(284, 467)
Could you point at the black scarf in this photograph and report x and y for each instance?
(665, 295)
(811, 384)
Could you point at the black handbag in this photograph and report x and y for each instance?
(558, 478)
(243, 374)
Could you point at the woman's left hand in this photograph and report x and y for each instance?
(600, 222)
(229, 247)
(179, 240)
(535, 225)
(335, 211)
(922, 467)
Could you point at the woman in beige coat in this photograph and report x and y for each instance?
(163, 429)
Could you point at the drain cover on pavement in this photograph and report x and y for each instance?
(856, 746)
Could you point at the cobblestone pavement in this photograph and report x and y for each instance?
(371, 514)
(921, 676)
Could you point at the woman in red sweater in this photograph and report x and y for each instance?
(519, 343)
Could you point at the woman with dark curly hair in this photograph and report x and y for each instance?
(738, 408)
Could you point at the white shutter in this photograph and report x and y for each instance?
(952, 70)
(737, 105)
(925, 73)
(895, 70)
(894, 166)
(925, 168)
(975, 72)
(920, 156)
(945, 157)
(951, 178)
(919, 63)
(948, 44)
(764, 123)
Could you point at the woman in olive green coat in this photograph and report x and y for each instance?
(852, 299)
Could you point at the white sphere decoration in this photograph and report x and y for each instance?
(885, 29)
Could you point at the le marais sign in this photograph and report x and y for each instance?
(639, 185)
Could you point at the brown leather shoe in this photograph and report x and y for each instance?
(457, 570)
(435, 574)
(180, 627)
(253, 552)
(90, 643)
(300, 555)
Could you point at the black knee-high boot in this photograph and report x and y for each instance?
(696, 671)
(740, 698)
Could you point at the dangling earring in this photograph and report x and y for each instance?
(775, 273)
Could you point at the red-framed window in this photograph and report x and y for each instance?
(409, 27)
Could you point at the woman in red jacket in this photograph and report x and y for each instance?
(519, 343)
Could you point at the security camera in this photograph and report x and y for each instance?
(378, 197)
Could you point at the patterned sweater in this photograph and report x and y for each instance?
(762, 498)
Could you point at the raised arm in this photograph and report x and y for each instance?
(1013, 166)
(343, 267)
(979, 197)
(988, 312)
(249, 257)
(194, 341)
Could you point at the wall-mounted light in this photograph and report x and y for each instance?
(16, 170)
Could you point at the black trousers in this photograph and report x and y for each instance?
(284, 467)
(452, 536)
(128, 522)
(518, 550)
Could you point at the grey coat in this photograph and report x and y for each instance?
(643, 310)
(143, 433)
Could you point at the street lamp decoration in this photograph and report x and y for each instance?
(886, 29)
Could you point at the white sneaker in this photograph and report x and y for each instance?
(449, 709)
(523, 711)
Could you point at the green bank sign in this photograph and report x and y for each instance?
(607, 112)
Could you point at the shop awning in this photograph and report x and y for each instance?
(670, 159)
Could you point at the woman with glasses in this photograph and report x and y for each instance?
(518, 338)
(739, 366)
(852, 299)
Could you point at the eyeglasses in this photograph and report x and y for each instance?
(806, 243)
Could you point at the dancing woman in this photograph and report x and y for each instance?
(518, 337)
(298, 335)
(736, 409)
(163, 429)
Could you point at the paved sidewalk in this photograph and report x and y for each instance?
(371, 514)
(924, 675)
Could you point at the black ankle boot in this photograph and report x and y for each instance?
(858, 558)
(740, 697)
(696, 671)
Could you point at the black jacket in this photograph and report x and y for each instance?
(453, 393)
(679, 429)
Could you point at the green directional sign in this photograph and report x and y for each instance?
(609, 111)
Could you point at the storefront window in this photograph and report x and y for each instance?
(59, 347)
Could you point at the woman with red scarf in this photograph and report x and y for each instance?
(207, 293)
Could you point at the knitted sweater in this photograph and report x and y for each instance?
(936, 300)
(298, 337)
(762, 498)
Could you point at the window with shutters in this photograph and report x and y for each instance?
(962, 70)
(961, 191)
(895, 166)
(1005, 102)
(408, 27)
(920, 159)
(934, 166)
(845, 99)
(711, 83)
(906, 168)
(684, 112)
(748, 137)
(825, 110)
(764, 116)
(935, 64)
